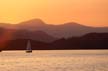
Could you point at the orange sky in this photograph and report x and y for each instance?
(87, 12)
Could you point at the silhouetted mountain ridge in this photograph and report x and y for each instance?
(65, 30)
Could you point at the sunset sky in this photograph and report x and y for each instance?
(87, 12)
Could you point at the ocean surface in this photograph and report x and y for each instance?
(54, 60)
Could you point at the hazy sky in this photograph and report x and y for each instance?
(87, 12)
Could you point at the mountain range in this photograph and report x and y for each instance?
(42, 31)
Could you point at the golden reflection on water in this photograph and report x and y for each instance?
(54, 60)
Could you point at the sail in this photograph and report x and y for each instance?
(28, 45)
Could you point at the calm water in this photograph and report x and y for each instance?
(56, 60)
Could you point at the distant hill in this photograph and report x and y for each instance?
(87, 41)
(34, 24)
(33, 35)
(65, 30)
(13, 34)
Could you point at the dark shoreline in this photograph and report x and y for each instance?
(95, 41)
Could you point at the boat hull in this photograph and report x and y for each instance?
(28, 51)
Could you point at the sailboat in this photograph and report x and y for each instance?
(28, 49)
